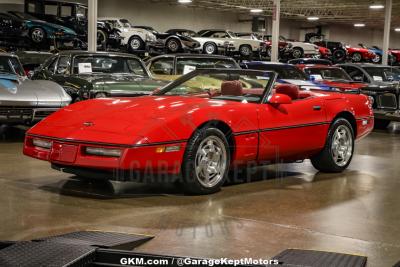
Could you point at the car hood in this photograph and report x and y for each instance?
(125, 121)
(20, 91)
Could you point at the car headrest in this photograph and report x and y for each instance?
(288, 89)
(234, 88)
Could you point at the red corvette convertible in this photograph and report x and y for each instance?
(200, 126)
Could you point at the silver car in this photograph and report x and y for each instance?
(23, 101)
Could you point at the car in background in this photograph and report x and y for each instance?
(338, 50)
(209, 46)
(173, 42)
(23, 101)
(244, 47)
(197, 134)
(172, 66)
(298, 49)
(379, 53)
(383, 86)
(310, 61)
(31, 60)
(332, 76)
(285, 49)
(73, 16)
(135, 39)
(324, 52)
(395, 56)
(85, 75)
(359, 54)
(41, 33)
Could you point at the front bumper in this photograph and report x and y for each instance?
(24, 115)
(70, 156)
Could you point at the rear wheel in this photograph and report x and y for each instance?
(338, 151)
(245, 51)
(210, 48)
(101, 38)
(135, 43)
(339, 55)
(38, 36)
(297, 52)
(356, 57)
(376, 59)
(173, 45)
(381, 124)
(206, 162)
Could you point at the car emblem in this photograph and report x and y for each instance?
(88, 123)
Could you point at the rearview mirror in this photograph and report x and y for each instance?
(278, 99)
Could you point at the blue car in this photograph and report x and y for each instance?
(40, 32)
(379, 53)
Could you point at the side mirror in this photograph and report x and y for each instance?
(278, 99)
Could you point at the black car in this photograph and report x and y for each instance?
(73, 16)
(338, 49)
(85, 75)
(318, 61)
(172, 65)
(383, 87)
(173, 41)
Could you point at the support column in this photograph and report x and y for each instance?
(386, 31)
(92, 26)
(276, 10)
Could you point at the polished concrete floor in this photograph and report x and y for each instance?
(355, 212)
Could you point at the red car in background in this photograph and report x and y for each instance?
(359, 54)
(325, 53)
(331, 76)
(395, 55)
(199, 127)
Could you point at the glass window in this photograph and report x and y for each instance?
(109, 64)
(125, 23)
(162, 66)
(288, 72)
(51, 10)
(66, 11)
(81, 12)
(383, 74)
(31, 7)
(329, 73)
(355, 74)
(52, 65)
(11, 65)
(63, 65)
(204, 63)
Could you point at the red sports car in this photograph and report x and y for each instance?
(324, 52)
(200, 126)
(359, 54)
(331, 76)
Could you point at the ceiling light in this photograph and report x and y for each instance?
(313, 18)
(377, 6)
(184, 1)
(256, 10)
(397, 29)
(359, 25)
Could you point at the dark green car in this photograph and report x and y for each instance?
(86, 75)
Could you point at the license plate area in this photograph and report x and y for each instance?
(63, 152)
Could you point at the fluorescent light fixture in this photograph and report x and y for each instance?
(184, 1)
(359, 25)
(256, 10)
(376, 6)
(313, 18)
(397, 29)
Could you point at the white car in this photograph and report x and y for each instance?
(299, 49)
(245, 47)
(134, 38)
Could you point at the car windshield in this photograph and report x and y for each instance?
(231, 33)
(189, 33)
(11, 65)
(385, 74)
(234, 85)
(125, 23)
(23, 15)
(328, 74)
(284, 72)
(108, 64)
(185, 65)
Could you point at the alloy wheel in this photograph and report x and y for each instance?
(37, 35)
(342, 145)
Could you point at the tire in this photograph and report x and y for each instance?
(339, 56)
(173, 45)
(210, 48)
(197, 163)
(135, 43)
(328, 160)
(297, 52)
(38, 36)
(356, 57)
(380, 124)
(245, 51)
(101, 38)
(377, 59)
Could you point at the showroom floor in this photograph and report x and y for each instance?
(353, 212)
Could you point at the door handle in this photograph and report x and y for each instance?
(316, 107)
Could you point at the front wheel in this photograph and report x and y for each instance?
(135, 43)
(206, 162)
(376, 59)
(173, 45)
(339, 148)
(356, 57)
(297, 52)
(210, 48)
(245, 51)
(38, 36)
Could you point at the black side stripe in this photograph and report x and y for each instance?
(282, 128)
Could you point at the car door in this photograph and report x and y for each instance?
(291, 131)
